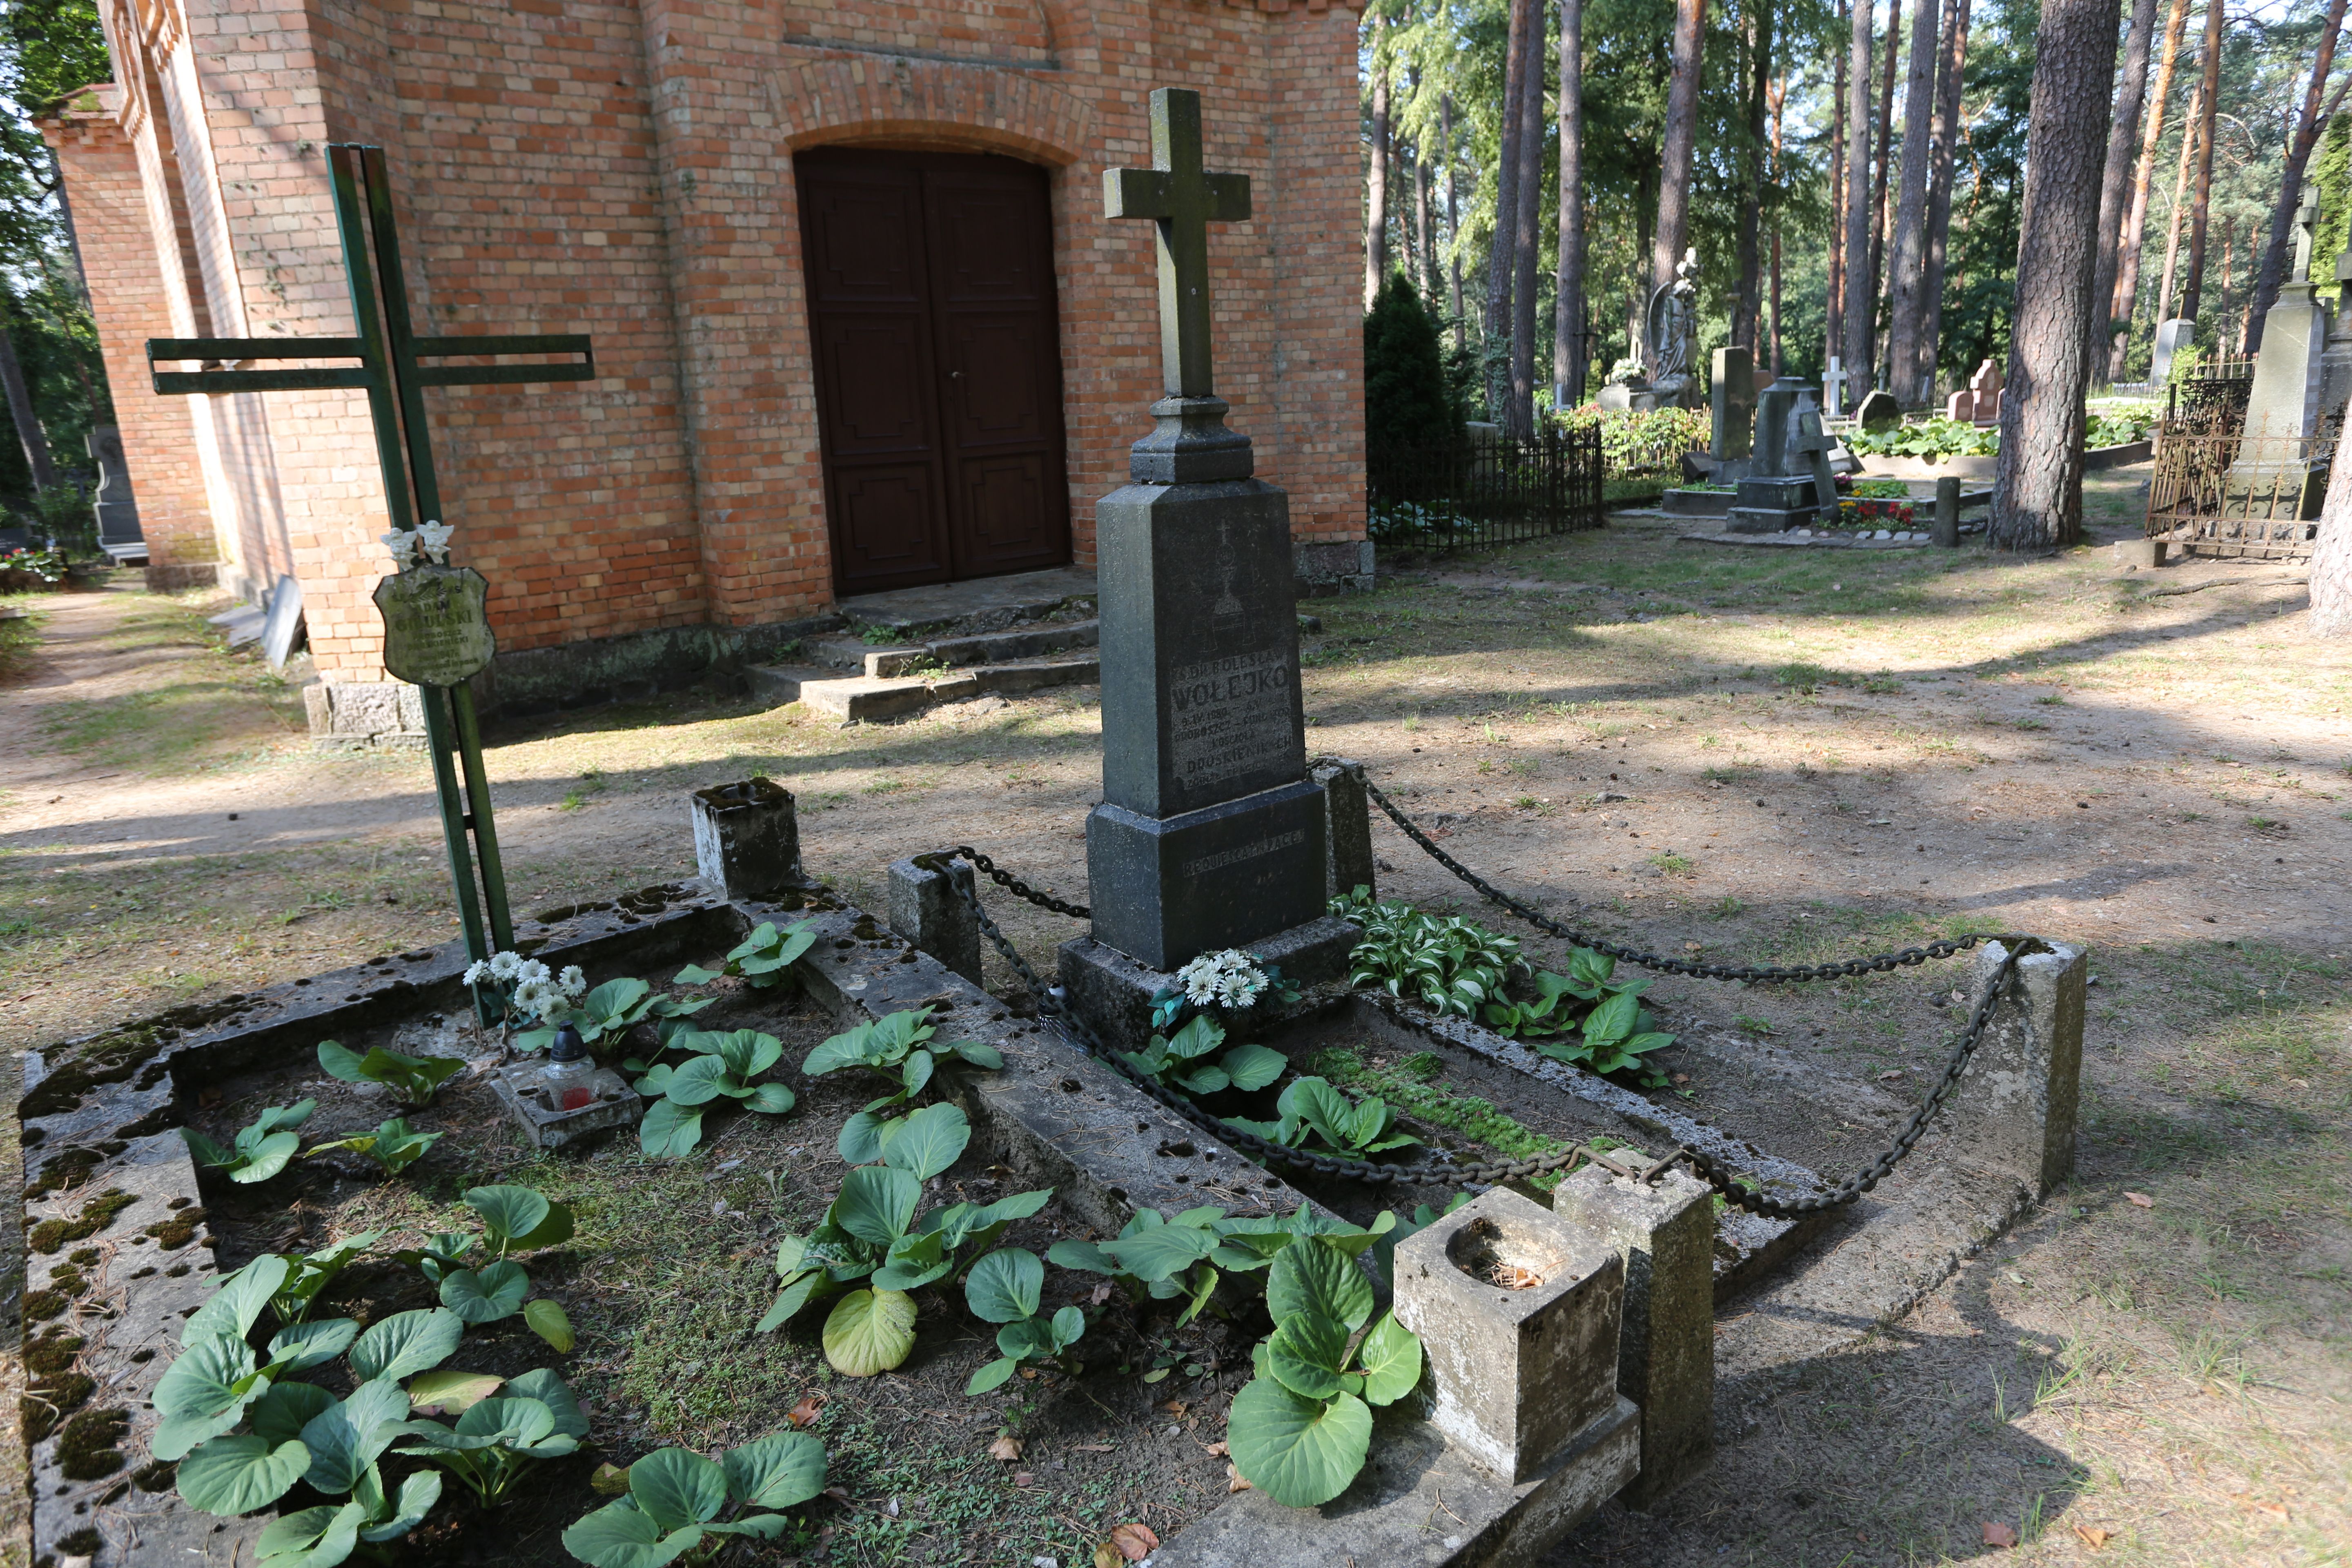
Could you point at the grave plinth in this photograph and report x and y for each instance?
(1779, 492)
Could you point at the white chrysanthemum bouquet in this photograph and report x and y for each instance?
(534, 994)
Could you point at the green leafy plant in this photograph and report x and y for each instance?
(1446, 963)
(1612, 1032)
(309, 1274)
(415, 1080)
(1311, 1107)
(762, 959)
(609, 1011)
(514, 1219)
(1005, 1287)
(677, 1497)
(260, 1150)
(497, 1441)
(897, 1048)
(296, 1431)
(1178, 1060)
(722, 1066)
(1300, 1430)
(871, 1233)
(391, 1146)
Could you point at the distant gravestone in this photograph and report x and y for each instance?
(1979, 403)
(2171, 337)
(1731, 399)
(1878, 411)
(118, 513)
(436, 625)
(1780, 491)
(281, 624)
(1833, 390)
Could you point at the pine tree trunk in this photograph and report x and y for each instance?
(2124, 306)
(1834, 317)
(2331, 560)
(1858, 280)
(2038, 478)
(1749, 306)
(1452, 223)
(1526, 250)
(1501, 261)
(1908, 282)
(2179, 203)
(1672, 234)
(1570, 354)
(2290, 197)
(29, 434)
(1780, 102)
(2193, 291)
(2123, 134)
(1948, 134)
(1885, 170)
(1376, 201)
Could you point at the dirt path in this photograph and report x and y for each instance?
(1773, 755)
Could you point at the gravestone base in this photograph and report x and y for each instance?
(1168, 888)
(1773, 505)
(1113, 992)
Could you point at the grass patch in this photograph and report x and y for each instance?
(202, 707)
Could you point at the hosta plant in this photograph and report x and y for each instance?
(260, 1150)
(415, 1080)
(762, 960)
(677, 1497)
(500, 1440)
(514, 1219)
(1310, 1108)
(1183, 1060)
(872, 1234)
(897, 1049)
(1444, 963)
(1005, 1287)
(721, 1066)
(391, 1146)
(1300, 1430)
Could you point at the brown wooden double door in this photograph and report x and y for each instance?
(938, 377)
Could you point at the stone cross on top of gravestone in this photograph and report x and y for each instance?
(1210, 834)
(2306, 217)
(1185, 200)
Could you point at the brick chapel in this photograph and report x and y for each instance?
(859, 321)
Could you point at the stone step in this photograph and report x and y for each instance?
(988, 647)
(860, 699)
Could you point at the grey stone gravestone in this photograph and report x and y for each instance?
(1833, 390)
(1878, 411)
(281, 624)
(2283, 406)
(2171, 337)
(118, 511)
(1779, 490)
(1210, 834)
(1731, 399)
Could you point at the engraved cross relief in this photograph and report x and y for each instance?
(1184, 199)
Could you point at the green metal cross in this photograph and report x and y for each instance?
(1185, 200)
(388, 371)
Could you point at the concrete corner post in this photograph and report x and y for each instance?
(1520, 1370)
(1665, 1236)
(925, 910)
(1348, 861)
(747, 840)
(2013, 1110)
(1947, 530)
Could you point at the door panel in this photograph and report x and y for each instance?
(932, 318)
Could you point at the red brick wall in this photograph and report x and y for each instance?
(625, 169)
(126, 288)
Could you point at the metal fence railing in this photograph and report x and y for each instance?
(1484, 490)
(2237, 496)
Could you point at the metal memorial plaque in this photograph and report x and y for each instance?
(436, 624)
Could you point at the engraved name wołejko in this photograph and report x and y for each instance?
(1230, 716)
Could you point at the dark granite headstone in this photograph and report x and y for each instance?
(1731, 399)
(1210, 834)
(118, 513)
(1779, 492)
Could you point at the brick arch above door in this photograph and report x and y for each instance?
(986, 108)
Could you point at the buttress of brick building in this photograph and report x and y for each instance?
(859, 321)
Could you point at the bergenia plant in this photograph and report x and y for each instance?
(413, 1079)
(1005, 1287)
(897, 1048)
(391, 1146)
(260, 1150)
(676, 1497)
(499, 1441)
(762, 960)
(514, 1219)
(1183, 1060)
(1311, 1107)
(723, 1066)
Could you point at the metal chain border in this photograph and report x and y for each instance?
(1741, 1192)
